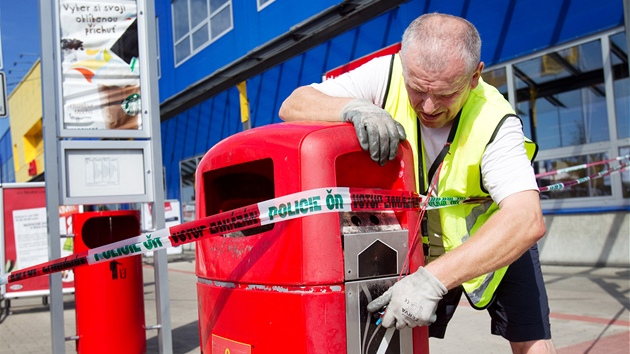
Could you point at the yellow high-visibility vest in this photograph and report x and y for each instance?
(460, 176)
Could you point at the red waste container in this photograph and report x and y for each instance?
(109, 297)
(300, 286)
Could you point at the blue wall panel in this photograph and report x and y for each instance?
(202, 128)
(189, 131)
(251, 29)
(523, 27)
(170, 161)
(264, 95)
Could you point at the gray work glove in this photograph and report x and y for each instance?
(377, 131)
(410, 302)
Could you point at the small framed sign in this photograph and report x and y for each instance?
(104, 172)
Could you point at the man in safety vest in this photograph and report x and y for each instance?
(469, 143)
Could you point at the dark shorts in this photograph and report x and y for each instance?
(520, 310)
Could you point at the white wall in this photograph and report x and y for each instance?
(600, 239)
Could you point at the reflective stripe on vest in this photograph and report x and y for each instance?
(460, 175)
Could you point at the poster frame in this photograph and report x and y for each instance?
(37, 283)
(139, 147)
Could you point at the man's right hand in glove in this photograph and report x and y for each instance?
(410, 302)
(376, 130)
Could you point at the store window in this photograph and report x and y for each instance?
(574, 101)
(619, 58)
(590, 188)
(625, 175)
(562, 96)
(187, 170)
(197, 23)
(498, 79)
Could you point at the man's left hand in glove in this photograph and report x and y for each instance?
(410, 302)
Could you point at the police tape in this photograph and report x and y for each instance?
(607, 172)
(288, 207)
(582, 166)
(292, 206)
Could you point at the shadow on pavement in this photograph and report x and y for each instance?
(185, 339)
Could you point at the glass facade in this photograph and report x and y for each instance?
(590, 188)
(187, 170)
(574, 101)
(625, 175)
(619, 59)
(561, 95)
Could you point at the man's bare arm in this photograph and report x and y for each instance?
(309, 104)
(508, 233)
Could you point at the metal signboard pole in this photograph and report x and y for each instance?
(148, 30)
(49, 117)
(626, 21)
(111, 102)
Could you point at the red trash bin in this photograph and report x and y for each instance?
(300, 286)
(109, 296)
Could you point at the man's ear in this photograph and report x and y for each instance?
(476, 75)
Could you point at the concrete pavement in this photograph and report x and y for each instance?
(590, 314)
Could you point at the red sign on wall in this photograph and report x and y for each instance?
(392, 49)
(25, 237)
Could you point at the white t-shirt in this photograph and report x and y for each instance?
(505, 168)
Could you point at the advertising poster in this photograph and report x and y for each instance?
(31, 237)
(172, 217)
(99, 64)
(67, 243)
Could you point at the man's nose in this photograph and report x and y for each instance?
(429, 104)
